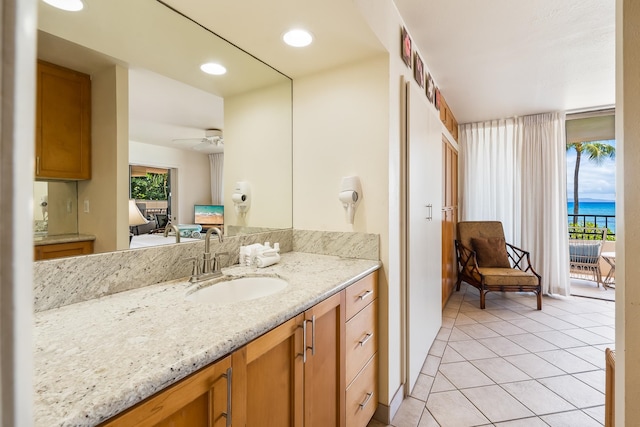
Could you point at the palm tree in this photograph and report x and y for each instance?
(597, 151)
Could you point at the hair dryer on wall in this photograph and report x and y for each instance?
(241, 197)
(350, 196)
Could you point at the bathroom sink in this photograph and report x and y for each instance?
(238, 289)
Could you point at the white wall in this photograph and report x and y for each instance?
(628, 209)
(341, 128)
(17, 133)
(106, 219)
(257, 136)
(346, 122)
(194, 177)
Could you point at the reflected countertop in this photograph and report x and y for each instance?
(62, 238)
(94, 359)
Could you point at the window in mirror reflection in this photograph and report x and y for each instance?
(150, 186)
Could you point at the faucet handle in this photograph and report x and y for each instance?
(195, 270)
(216, 260)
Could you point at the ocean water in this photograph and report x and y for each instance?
(595, 208)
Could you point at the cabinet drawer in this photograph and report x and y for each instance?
(362, 395)
(361, 340)
(59, 250)
(361, 293)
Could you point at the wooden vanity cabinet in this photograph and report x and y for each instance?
(317, 369)
(200, 400)
(294, 374)
(63, 123)
(361, 351)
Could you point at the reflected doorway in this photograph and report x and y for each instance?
(152, 189)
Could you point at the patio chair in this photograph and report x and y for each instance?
(585, 250)
(488, 263)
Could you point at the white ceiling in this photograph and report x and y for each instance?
(490, 58)
(501, 58)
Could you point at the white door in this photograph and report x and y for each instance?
(424, 232)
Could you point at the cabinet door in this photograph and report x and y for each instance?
(324, 372)
(63, 123)
(200, 400)
(272, 379)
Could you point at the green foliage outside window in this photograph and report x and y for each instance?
(578, 232)
(153, 186)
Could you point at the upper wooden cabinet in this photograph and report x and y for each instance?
(63, 123)
(448, 119)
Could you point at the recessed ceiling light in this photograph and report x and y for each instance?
(68, 5)
(213, 68)
(297, 38)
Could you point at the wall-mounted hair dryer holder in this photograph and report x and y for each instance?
(241, 198)
(350, 196)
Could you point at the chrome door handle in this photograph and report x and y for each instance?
(227, 414)
(304, 341)
(313, 335)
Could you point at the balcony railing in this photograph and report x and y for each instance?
(601, 221)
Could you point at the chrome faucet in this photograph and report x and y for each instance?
(210, 266)
(206, 266)
(173, 227)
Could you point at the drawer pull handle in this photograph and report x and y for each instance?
(365, 295)
(37, 165)
(365, 339)
(366, 401)
(227, 414)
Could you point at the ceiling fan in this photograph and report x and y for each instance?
(212, 138)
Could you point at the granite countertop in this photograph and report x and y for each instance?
(96, 358)
(61, 238)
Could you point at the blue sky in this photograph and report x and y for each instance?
(595, 182)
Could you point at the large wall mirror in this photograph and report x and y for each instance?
(152, 106)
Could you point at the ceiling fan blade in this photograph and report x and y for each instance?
(204, 145)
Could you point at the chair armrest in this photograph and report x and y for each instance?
(520, 258)
(466, 257)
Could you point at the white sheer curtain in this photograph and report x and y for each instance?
(514, 171)
(216, 164)
(544, 199)
(490, 176)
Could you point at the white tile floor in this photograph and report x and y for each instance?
(513, 366)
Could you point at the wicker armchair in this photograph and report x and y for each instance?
(585, 248)
(488, 263)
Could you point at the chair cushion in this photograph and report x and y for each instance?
(586, 252)
(491, 252)
(508, 276)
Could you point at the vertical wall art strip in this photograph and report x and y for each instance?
(430, 88)
(405, 47)
(418, 69)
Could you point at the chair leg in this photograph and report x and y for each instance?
(539, 296)
(458, 283)
(482, 295)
